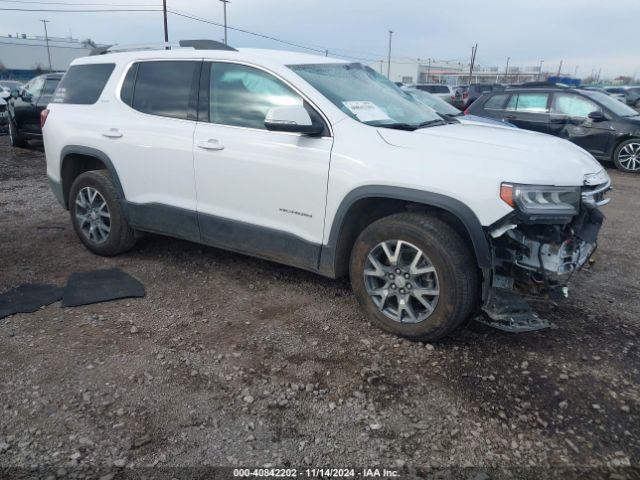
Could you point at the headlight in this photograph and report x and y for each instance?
(540, 201)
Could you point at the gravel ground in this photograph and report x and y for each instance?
(232, 361)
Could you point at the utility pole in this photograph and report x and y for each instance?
(429, 70)
(224, 2)
(46, 39)
(474, 49)
(559, 69)
(389, 56)
(575, 73)
(166, 26)
(506, 71)
(540, 71)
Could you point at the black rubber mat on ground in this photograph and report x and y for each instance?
(28, 298)
(84, 288)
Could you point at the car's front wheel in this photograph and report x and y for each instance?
(15, 137)
(414, 276)
(97, 215)
(626, 156)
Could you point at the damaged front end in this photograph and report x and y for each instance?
(551, 234)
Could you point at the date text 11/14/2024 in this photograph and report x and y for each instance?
(315, 473)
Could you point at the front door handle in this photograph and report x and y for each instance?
(510, 117)
(211, 144)
(112, 133)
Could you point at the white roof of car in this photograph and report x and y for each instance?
(257, 55)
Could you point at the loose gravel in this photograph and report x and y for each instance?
(235, 361)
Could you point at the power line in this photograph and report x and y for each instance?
(82, 4)
(77, 10)
(183, 14)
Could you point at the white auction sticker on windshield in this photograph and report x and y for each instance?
(366, 111)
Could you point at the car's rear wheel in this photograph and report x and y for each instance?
(626, 156)
(414, 276)
(15, 137)
(97, 215)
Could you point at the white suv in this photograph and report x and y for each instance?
(327, 166)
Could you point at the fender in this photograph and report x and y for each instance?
(91, 152)
(469, 219)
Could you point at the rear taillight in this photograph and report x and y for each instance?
(466, 112)
(43, 117)
(465, 94)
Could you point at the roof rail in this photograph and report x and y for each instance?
(194, 44)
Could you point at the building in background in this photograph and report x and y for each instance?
(22, 57)
(454, 73)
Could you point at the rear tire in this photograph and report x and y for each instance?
(387, 299)
(15, 137)
(97, 215)
(626, 156)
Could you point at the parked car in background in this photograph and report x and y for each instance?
(632, 97)
(448, 111)
(444, 92)
(459, 97)
(25, 106)
(605, 127)
(476, 90)
(6, 86)
(3, 115)
(619, 93)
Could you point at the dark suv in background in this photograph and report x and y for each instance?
(605, 127)
(474, 91)
(25, 106)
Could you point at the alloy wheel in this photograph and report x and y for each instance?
(92, 215)
(401, 281)
(629, 156)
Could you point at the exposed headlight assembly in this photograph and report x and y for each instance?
(540, 202)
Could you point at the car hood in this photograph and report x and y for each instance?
(517, 155)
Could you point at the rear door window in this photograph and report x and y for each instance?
(529, 102)
(83, 84)
(50, 85)
(166, 88)
(573, 105)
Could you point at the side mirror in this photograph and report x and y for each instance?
(15, 93)
(597, 116)
(293, 119)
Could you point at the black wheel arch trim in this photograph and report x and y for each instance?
(469, 219)
(90, 152)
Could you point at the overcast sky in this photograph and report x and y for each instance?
(591, 34)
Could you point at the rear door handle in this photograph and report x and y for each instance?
(510, 117)
(112, 133)
(211, 144)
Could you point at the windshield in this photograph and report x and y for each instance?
(432, 101)
(367, 96)
(616, 106)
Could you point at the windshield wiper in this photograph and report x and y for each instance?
(431, 123)
(398, 126)
(409, 127)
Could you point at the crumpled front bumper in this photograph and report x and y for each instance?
(540, 258)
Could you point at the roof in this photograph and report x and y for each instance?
(259, 55)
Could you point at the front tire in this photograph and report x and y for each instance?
(15, 137)
(414, 276)
(626, 156)
(97, 215)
